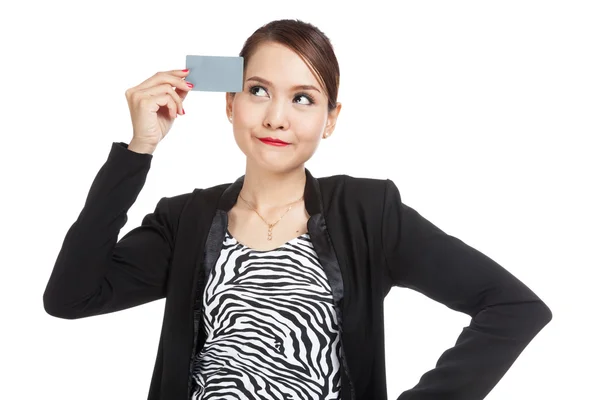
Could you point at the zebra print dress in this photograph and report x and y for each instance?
(270, 324)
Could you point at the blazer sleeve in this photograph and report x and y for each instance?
(506, 314)
(93, 273)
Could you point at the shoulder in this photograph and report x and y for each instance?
(363, 192)
(352, 183)
(176, 203)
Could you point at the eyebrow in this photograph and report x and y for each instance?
(266, 82)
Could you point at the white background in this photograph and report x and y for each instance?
(485, 114)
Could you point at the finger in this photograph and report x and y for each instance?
(181, 86)
(174, 77)
(153, 103)
(183, 89)
(182, 93)
(166, 89)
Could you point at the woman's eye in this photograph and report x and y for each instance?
(310, 101)
(254, 88)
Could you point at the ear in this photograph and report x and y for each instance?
(332, 119)
(229, 104)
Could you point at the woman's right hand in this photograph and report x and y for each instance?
(154, 105)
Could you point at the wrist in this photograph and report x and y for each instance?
(140, 147)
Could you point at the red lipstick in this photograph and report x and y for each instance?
(273, 141)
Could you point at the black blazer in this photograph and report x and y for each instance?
(367, 241)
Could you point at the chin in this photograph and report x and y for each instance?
(276, 165)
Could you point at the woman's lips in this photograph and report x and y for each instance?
(272, 143)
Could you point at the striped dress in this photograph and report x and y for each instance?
(270, 325)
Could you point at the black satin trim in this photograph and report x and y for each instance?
(322, 245)
(214, 242)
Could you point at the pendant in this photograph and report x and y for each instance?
(270, 235)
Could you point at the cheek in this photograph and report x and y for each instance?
(310, 128)
(245, 118)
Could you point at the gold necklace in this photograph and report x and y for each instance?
(270, 233)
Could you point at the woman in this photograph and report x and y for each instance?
(275, 283)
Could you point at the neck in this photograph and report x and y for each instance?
(267, 189)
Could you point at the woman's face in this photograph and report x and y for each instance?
(272, 105)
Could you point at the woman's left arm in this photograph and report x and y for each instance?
(506, 314)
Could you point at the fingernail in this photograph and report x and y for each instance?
(183, 110)
(185, 70)
(190, 84)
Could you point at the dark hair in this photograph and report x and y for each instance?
(309, 43)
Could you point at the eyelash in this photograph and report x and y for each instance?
(309, 97)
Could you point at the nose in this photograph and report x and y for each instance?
(275, 117)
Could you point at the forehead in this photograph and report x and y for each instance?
(280, 65)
